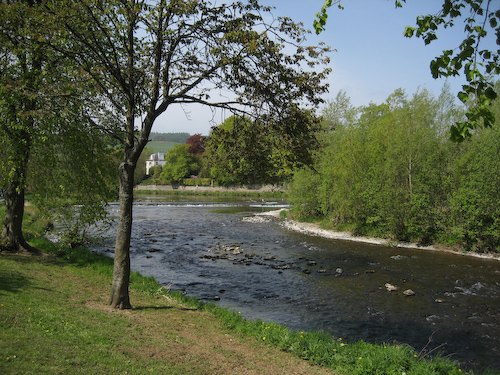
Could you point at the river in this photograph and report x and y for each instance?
(220, 251)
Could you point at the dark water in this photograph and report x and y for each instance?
(221, 252)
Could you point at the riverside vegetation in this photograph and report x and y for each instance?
(390, 171)
(54, 318)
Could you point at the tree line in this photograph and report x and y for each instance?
(169, 137)
(389, 170)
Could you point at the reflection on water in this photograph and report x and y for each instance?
(218, 251)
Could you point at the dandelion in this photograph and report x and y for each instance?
(342, 344)
(360, 358)
(239, 312)
(264, 338)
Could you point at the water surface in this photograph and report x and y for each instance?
(219, 251)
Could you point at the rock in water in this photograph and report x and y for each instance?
(391, 288)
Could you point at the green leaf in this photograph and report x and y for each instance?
(409, 31)
(490, 93)
(463, 96)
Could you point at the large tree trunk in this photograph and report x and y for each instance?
(121, 271)
(12, 227)
(12, 231)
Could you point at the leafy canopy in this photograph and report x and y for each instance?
(478, 65)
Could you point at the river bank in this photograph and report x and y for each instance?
(314, 229)
(201, 189)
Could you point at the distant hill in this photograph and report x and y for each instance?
(163, 142)
(169, 137)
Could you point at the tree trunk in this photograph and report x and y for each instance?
(12, 228)
(121, 271)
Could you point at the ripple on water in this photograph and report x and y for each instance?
(457, 298)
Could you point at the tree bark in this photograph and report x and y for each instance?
(12, 227)
(12, 232)
(121, 271)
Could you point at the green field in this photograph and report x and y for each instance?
(160, 146)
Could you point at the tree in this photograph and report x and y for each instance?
(180, 163)
(41, 125)
(146, 56)
(242, 151)
(195, 143)
(476, 64)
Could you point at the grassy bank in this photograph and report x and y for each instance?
(54, 318)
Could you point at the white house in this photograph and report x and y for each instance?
(154, 160)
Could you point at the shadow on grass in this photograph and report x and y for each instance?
(141, 308)
(12, 282)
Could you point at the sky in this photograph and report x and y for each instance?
(371, 57)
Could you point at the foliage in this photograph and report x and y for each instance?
(390, 172)
(241, 151)
(180, 163)
(48, 145)
(196, 142)
(474, 208)
(479, 66)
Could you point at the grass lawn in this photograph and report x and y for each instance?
(54, 319)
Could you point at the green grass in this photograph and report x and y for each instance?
(46, 328)
(160, 146)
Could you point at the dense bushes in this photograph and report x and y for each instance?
(389, 170)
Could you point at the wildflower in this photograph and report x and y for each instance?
(360, 358)
(264, 338)
(239, 312)
(342, 344)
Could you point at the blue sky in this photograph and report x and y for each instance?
(372, 57)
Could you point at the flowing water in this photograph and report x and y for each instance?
(222, 252)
